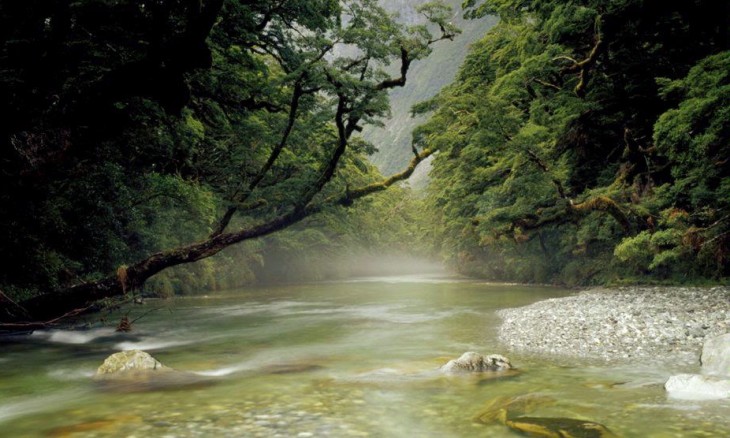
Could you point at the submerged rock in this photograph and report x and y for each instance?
(559, 427)
(292, 368)
(136, 371)
(512, 411)
(475, 362)
(698, 387)
(499, 409)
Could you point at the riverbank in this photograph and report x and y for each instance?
(621, 324)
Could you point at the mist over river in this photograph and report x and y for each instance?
(349, 358)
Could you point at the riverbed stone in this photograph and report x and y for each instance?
(714, 382)
(559, 427)
(129, 361)
(715, 357)
(138, 371)
(698, 387)
(475, 362)
(499, 409)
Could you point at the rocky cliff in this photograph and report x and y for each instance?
(426, 78)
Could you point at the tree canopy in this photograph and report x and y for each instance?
(587, 141)
(141, 135)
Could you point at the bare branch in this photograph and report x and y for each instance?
(584, 66)
(546, 84)
(405, 64)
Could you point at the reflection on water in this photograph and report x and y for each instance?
(354, 358)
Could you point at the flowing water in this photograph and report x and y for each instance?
(355, 358)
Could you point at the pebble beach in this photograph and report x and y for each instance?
(622, 324)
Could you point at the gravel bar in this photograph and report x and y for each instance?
(620, 324)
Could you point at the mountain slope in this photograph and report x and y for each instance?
(427, 78)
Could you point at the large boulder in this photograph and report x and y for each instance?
(697, 387)
(475, 363)
(136, 371)
(716, 356)
(714, 382)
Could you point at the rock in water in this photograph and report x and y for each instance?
(137, 371)
(511, 412)
(500, 409)
(714, 382)
(559, 428)
(129, 361)
(475, 362)
(716, 356)
(697, 387)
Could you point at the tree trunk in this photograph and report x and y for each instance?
(53, 306)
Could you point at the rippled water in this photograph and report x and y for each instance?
(356, 358)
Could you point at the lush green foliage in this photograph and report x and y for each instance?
(133, 127)
(587, 141)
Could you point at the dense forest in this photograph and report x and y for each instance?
(587, 142)
(140, 136)
(581, 142)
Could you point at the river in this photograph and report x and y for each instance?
(354, 358)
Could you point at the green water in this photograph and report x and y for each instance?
(335, 359)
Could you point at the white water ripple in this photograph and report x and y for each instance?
(18, 407)
(73, 336)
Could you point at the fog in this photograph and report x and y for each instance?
(288, 267)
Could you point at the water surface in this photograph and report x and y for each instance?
(355, 358)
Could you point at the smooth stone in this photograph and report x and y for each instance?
(697, 387)
(131, 360)
(138, 371)
(292, 368)
(499, 409)
(715, 357)
(475, 362)
(559, 427)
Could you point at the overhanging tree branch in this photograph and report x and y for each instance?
(53, 307)
(273, 156)
(355, 96)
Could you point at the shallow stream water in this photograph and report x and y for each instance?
(356, 358)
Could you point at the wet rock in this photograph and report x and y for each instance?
(714, 382)
(129, 361)
(715, 357)
(137, 371)
(698, 387)
(475, 362)
(292, 368)
(559, 427)
(513, 411)
(499, 409)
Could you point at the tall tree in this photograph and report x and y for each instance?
(558, 143)
(230, 120)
